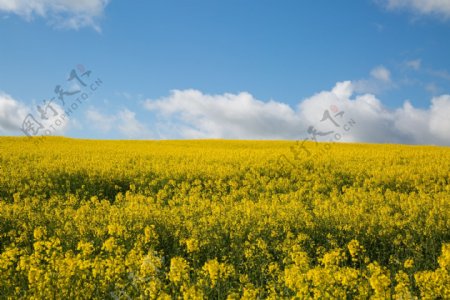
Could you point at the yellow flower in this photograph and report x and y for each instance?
(408, 264)
(39, 233)
(192, 245)
(216, 271)
(179, 270)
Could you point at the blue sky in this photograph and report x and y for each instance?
(230, 69)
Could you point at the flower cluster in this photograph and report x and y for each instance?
(86, 219)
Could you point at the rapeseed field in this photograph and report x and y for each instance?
(215, 219)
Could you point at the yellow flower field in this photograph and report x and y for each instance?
(87, 219)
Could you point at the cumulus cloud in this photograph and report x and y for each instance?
(124, 122)
(352, 117)
(13, 113)
(424, 7)
(226, 116)
(60, 13)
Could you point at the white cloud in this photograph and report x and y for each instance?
(192, 114)
(380, 80)
(414, 64)
(60, 13)
(432, 88)
(124, 122)
(51, 125)
(439, 122)
(129, 126)
(100, 121)
(228, 115)
(379, 27)
(13, 114)
(443, 74)
(424, 7)
(381, 73)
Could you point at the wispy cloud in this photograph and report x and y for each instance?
(124, 122)
(414, 64)
(129, 126)
(380, 80)
(432, 88)
(443, 74)
(381, 73)
(440, 8)
(379, 27)
(59, 13)
(100, 121)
